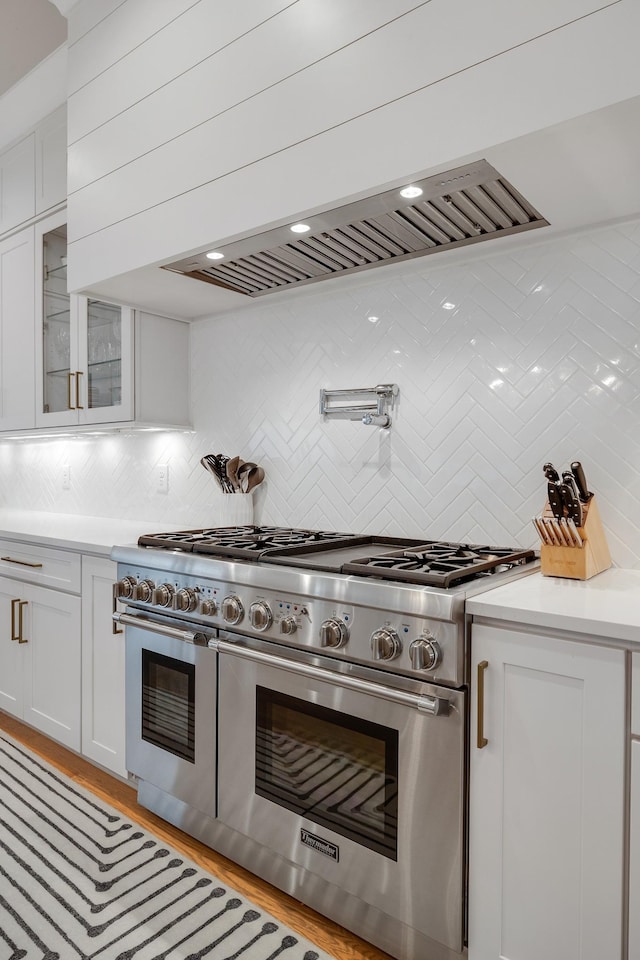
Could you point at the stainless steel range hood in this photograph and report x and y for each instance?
(467, 205)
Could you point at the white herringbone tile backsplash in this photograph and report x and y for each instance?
(504, 360)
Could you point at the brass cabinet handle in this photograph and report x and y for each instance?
(482, 740)
(78, 404)
(69, 404)
(21, 605)
(14, 635)
(23, 563)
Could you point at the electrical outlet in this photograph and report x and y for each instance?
(163, 477)
(66, 476)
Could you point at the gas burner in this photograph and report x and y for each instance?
(241, 542)
(439, 564)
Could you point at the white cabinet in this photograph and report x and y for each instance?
(96, 362)
(634, 847)
(103, 727)
(17, 184)
(17, 375)
(40, 659)
(546, 829)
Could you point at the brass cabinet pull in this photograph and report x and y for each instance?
(14, 635)
(78, 404)
(21, 605)
(23, 563)
(482, 740)
(69, 404)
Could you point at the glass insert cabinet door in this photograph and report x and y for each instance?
(56, 326)
(86, 349)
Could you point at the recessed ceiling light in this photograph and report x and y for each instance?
(215, 255)
(300, 228)
(373, 319)
(447, 305)
(410, 192)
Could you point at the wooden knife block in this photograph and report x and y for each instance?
(578, 563)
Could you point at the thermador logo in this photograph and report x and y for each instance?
(322, 846)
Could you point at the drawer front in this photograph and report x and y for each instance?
(44, 566)
(635, 694)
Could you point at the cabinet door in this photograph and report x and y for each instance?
(17, 332)
(17, 184)
(634, 859)
(51, 160)
(51, 635)
(103, 726)
(11, 652)
(546, 799)
(57, 386)
(105, 362)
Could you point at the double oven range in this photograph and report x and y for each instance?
(298, 700)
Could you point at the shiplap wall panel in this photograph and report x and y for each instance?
(366, 158)
(129, 25)
(307, 103)
(257, 60)
(165, 56)
(408, 54)
(88, 14)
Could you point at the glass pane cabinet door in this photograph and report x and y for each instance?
(104, 354)
(56, 331)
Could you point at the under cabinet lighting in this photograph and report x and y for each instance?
(300, 228)
(215, 255)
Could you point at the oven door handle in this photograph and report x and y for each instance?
(188, 636)
(435, 706)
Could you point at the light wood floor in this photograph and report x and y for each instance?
(329, 936)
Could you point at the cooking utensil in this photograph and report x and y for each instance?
(581, 481)
(255, 476)
(232, 473)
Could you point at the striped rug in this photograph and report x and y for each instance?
(78, 881)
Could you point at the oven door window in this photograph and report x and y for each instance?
(337, 770)
(168, 704)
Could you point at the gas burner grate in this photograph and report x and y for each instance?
(239, 542)
(440, 564)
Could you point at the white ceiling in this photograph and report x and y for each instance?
(29, 31)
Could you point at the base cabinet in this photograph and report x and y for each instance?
(40, 659)
(103, 728)
(547, 799)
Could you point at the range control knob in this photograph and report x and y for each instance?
(334, 633)
(288, 626)
(208, 608)
(144, 590)
(125, 588)
(385, 644)
(163, 594)
(186, 600)
(260, 615)
(425, 653)
(232, 609)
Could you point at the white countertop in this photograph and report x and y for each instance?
(608, 605)
(67, 531)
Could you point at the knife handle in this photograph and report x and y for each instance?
(555, 500)
(551, 473)
(581, 481)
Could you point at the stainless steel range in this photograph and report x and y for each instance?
(298, 700)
